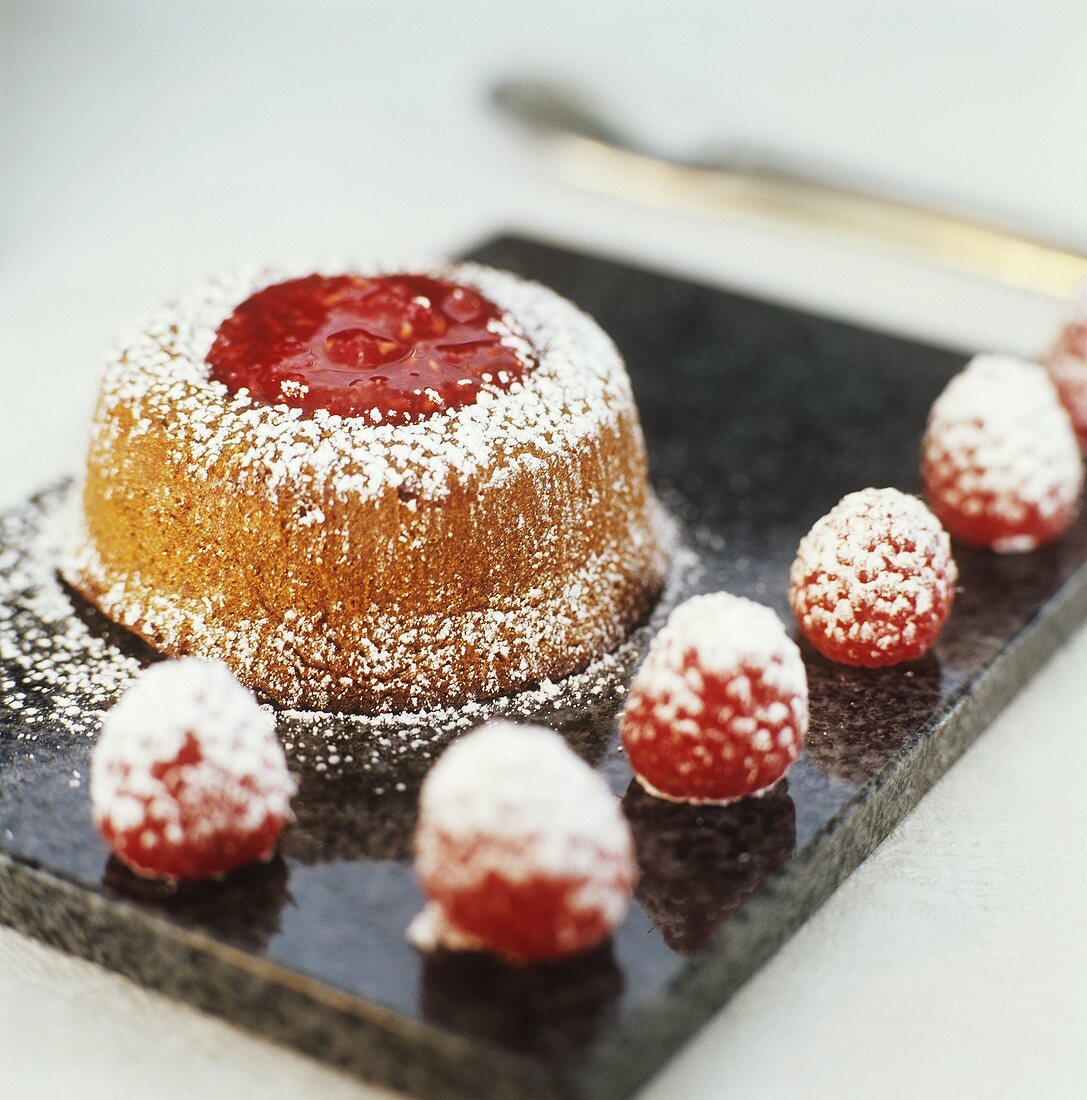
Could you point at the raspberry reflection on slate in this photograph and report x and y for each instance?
(1001, 589)
(243, 909)
(698, 864)
(553, 1010)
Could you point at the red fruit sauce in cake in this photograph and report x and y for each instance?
(394, 349)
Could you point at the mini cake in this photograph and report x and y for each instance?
(370, 491)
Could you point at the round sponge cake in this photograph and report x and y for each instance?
(348, 563)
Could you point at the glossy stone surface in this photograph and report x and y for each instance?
(758, 418)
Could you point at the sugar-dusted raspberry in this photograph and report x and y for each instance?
(873, 580)
(1066, 362)
(394, 349)
(719, 708)
(521, 848)
(188, 780)
(999, 459)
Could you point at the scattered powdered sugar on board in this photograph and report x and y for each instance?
(63, 665)
(54, 668)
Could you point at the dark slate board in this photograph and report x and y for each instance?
(758, 418)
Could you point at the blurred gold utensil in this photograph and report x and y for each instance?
(588, 150)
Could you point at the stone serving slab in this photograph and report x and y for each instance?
(758, 418)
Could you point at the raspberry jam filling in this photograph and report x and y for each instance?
(395, 348)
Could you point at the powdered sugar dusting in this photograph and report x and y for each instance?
(54, 669)
(431, 929)
(719, 708)
(549, 474)
(1000, 449)
(724, 633)
(305, 663)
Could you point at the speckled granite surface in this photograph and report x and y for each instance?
(758, 418)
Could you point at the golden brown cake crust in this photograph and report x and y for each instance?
(341, 565)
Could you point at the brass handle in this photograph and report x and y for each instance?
(592, 154)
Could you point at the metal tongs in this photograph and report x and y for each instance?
(590, 151)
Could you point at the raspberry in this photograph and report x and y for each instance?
(188, 780)
(719, 708)
(873, 580)
(1066, 362)
(1000, 461)
(395, 349)
(521, 848)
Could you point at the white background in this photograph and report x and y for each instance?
(144, 146)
